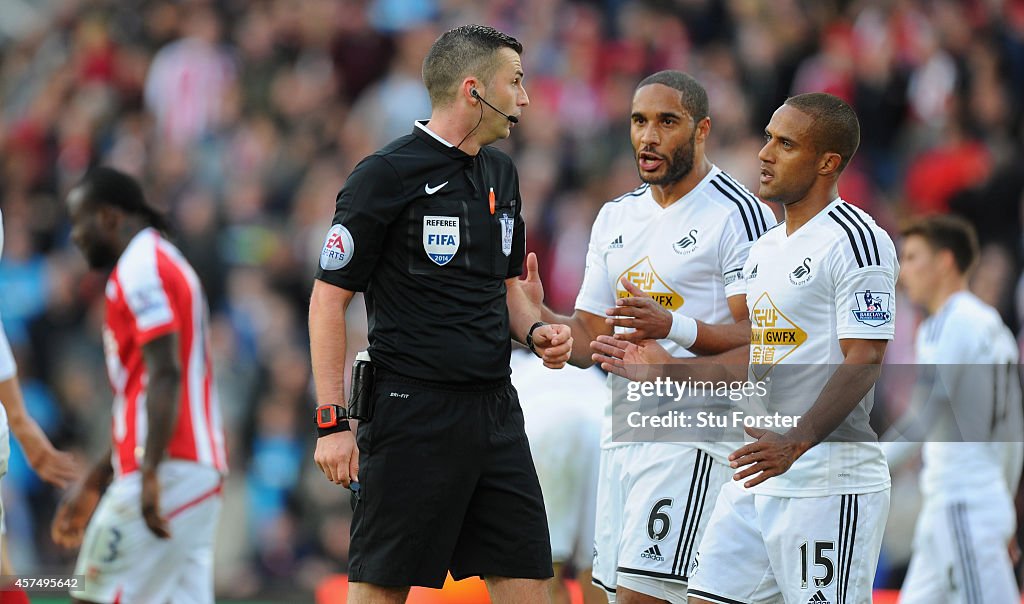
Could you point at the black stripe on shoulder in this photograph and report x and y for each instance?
(739, 206)
(721, 177)
(849, 233)
(849, 215)
(874, 242)
(637, 192)
(754, 201)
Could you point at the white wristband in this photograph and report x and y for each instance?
(683, 331)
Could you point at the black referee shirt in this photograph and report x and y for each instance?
(414, 229)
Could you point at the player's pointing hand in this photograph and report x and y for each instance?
(640, 312)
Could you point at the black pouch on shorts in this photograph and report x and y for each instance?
(360, 400)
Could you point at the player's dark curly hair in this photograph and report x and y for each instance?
(835, 126)
(460, 52)
(695, 98)
(104, 185)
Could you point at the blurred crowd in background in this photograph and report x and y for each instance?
(243, 117)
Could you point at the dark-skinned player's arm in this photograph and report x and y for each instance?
(725, 347)
(651, 321)
(773, 453)
(163, 391)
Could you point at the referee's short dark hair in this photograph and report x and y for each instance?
(460, 52)
(835, 124)
(695, 98)
(107, 186)
(946, 232)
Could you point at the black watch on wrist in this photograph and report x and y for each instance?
(529, 336)
(330, 419)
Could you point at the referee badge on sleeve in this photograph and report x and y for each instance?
(441, 238)
(508, 225)
(338, 248)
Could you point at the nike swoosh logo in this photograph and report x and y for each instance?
(431, 190)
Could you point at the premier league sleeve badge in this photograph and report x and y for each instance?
(508, 225)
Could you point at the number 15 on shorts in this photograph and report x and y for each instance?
(821, 559)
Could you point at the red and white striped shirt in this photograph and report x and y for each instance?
(152, 292)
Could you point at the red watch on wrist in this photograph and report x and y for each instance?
(331, 418)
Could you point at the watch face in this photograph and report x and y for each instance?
(326, 416)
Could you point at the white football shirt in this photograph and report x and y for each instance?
(833, 279)
(976, 357)
(688, 256)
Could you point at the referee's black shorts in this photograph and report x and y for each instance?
(448, 483)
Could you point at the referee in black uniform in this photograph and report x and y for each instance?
(430, 228)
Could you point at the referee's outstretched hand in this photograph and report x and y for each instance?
(337, 456)
(532, 285)
(554, 344)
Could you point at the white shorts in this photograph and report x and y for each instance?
(960, 554)
(122, 561)
(566, 448)
(804, 549)
(654, 501)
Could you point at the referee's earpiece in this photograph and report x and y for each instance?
(473, 93)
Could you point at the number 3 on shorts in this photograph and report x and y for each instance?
(115, 539)
(659, 522)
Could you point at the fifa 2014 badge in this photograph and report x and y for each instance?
(873, 308)
(338, 248)
(441, 238)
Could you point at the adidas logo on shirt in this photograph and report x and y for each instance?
(616, 244)
(653, 553)
(818, 598)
